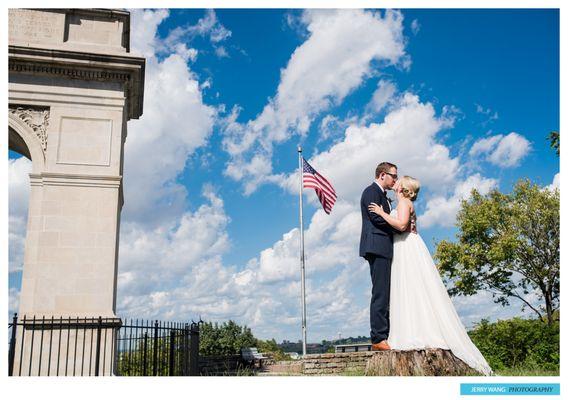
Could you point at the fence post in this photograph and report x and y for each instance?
(187, 333)
(194, 350)
(145, 345)
(155, 350)
(172, 344)
(98, 351)
(12, 351)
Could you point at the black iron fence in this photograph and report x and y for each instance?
(158, 349)
(102, 346)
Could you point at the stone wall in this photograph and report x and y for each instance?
(322, 364)
(426, 362)
(339, 363)
(312, 364)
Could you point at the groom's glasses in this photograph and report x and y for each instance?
(393, 176)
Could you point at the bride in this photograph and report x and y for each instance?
(421, 312)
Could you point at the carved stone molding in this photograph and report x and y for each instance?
(126, 69)
(66, 71)
(34, 117)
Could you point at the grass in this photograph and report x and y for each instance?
(526, 371)
(353, 372)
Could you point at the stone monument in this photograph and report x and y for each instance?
(72, 87)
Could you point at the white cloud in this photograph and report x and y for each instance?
(442, 211)
(170, 257)
(504, 151)
(13, 301)
(406, 137)
(175, 120)
(143, 36)
(328, 126)
(163, 262)
(18, 195)
(555, 183)
(510, 150)
(382, 96)
(335, 59)
(208, 26)
(485, 145)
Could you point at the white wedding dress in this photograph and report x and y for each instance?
(421, 312)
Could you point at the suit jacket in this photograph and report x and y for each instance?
(376, 233)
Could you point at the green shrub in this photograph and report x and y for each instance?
(519, 344)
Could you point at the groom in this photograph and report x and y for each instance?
(376, 247)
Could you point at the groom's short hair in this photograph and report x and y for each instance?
(383, 167)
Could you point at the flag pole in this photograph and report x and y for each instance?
(302, 259)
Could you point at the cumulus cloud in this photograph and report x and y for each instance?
(175, 120)
(555, 183)
(442, 210)
(337, 56)
(170, 255)
(382, 96)
(407, 137)
(502, 150)
(18, 195)
(208, 26)
(183, 255)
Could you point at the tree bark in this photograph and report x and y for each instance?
(428, 362)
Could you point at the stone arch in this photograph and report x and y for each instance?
(23, 139)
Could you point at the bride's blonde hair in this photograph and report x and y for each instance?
(409, 186)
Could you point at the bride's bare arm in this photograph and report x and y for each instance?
(400, 222)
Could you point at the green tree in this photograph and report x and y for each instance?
(229, 338)
(271, 348)
(554, 138)
(508, 244)
(225, 339)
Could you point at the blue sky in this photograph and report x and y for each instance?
(457, 98)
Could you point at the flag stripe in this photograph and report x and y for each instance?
(315, 183)
(311, 184)
(322, 181)
(330, 195)
(324, 189)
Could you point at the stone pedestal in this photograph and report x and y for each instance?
(72, 88)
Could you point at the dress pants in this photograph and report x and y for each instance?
(380, 277)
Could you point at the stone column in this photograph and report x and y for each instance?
(72, 67)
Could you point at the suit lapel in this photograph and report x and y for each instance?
(384, 200)
(388, 207)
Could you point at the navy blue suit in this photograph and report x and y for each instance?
(376, 247)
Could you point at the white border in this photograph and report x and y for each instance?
(257, 387)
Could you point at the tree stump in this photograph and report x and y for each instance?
(428, 362)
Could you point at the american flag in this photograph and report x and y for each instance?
(324, 189)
